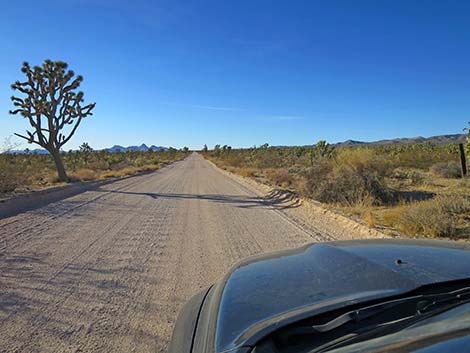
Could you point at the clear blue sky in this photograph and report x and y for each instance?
(246, 72)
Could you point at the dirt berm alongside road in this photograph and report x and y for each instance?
(108, 269)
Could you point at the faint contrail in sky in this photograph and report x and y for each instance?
(208, 107)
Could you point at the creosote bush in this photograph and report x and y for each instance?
(351, 178)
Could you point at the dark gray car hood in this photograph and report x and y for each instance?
(262, 292)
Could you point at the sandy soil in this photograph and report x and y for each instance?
(108, 269)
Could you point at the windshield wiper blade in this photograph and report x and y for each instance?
(424, 303)
(460, 295)
(427, 306)
(378, 330)
(361, 314)
(363, 323)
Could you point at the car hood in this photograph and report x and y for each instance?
(263, 293)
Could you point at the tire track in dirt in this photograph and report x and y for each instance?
(87, 259)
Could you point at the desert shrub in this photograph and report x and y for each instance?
(233, 160)
(139, 162)
(354, 177)
(418, 155)
(8, 177)
(415, 177)
(282, 178)
(455, 204)
(119, 165)
(450, 169)
(425, 219)
(364, 161)
(319, 170)
(407, 177)
(436, 217)
(348, 188)
(399, 174)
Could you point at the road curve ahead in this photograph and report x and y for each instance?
(107, 270)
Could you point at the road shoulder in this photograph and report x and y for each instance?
(309, 214)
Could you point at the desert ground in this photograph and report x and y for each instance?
(108, 269)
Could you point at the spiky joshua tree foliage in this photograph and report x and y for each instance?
(52, 105)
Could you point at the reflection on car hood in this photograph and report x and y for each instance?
(261, 291)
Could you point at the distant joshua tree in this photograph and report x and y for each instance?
(51, 104)
(86, 150)
(204, 149)
(321, 150)
(217, 150)
(185, 149)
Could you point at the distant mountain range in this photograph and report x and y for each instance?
(116, 148)
(142, 148)
(440, 139)
(28, 151)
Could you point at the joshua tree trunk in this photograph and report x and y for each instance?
(60, 166)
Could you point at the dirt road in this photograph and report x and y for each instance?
(107, 270)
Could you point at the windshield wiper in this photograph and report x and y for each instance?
(424, 303)
(425, 306)
(459, 295)
(376, 320)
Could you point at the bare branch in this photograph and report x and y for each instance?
(29, 139)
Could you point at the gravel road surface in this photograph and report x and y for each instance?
(108, 269)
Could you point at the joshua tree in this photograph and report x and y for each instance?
(321, 150)
(217, 150)
(52, 105)
(204, 149)
(86, 150)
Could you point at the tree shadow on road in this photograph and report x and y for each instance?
(278, 199)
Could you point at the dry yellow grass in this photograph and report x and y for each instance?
(245, 172)
(128, 171)
(442, 216)
(83, 174)
(370, 219)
